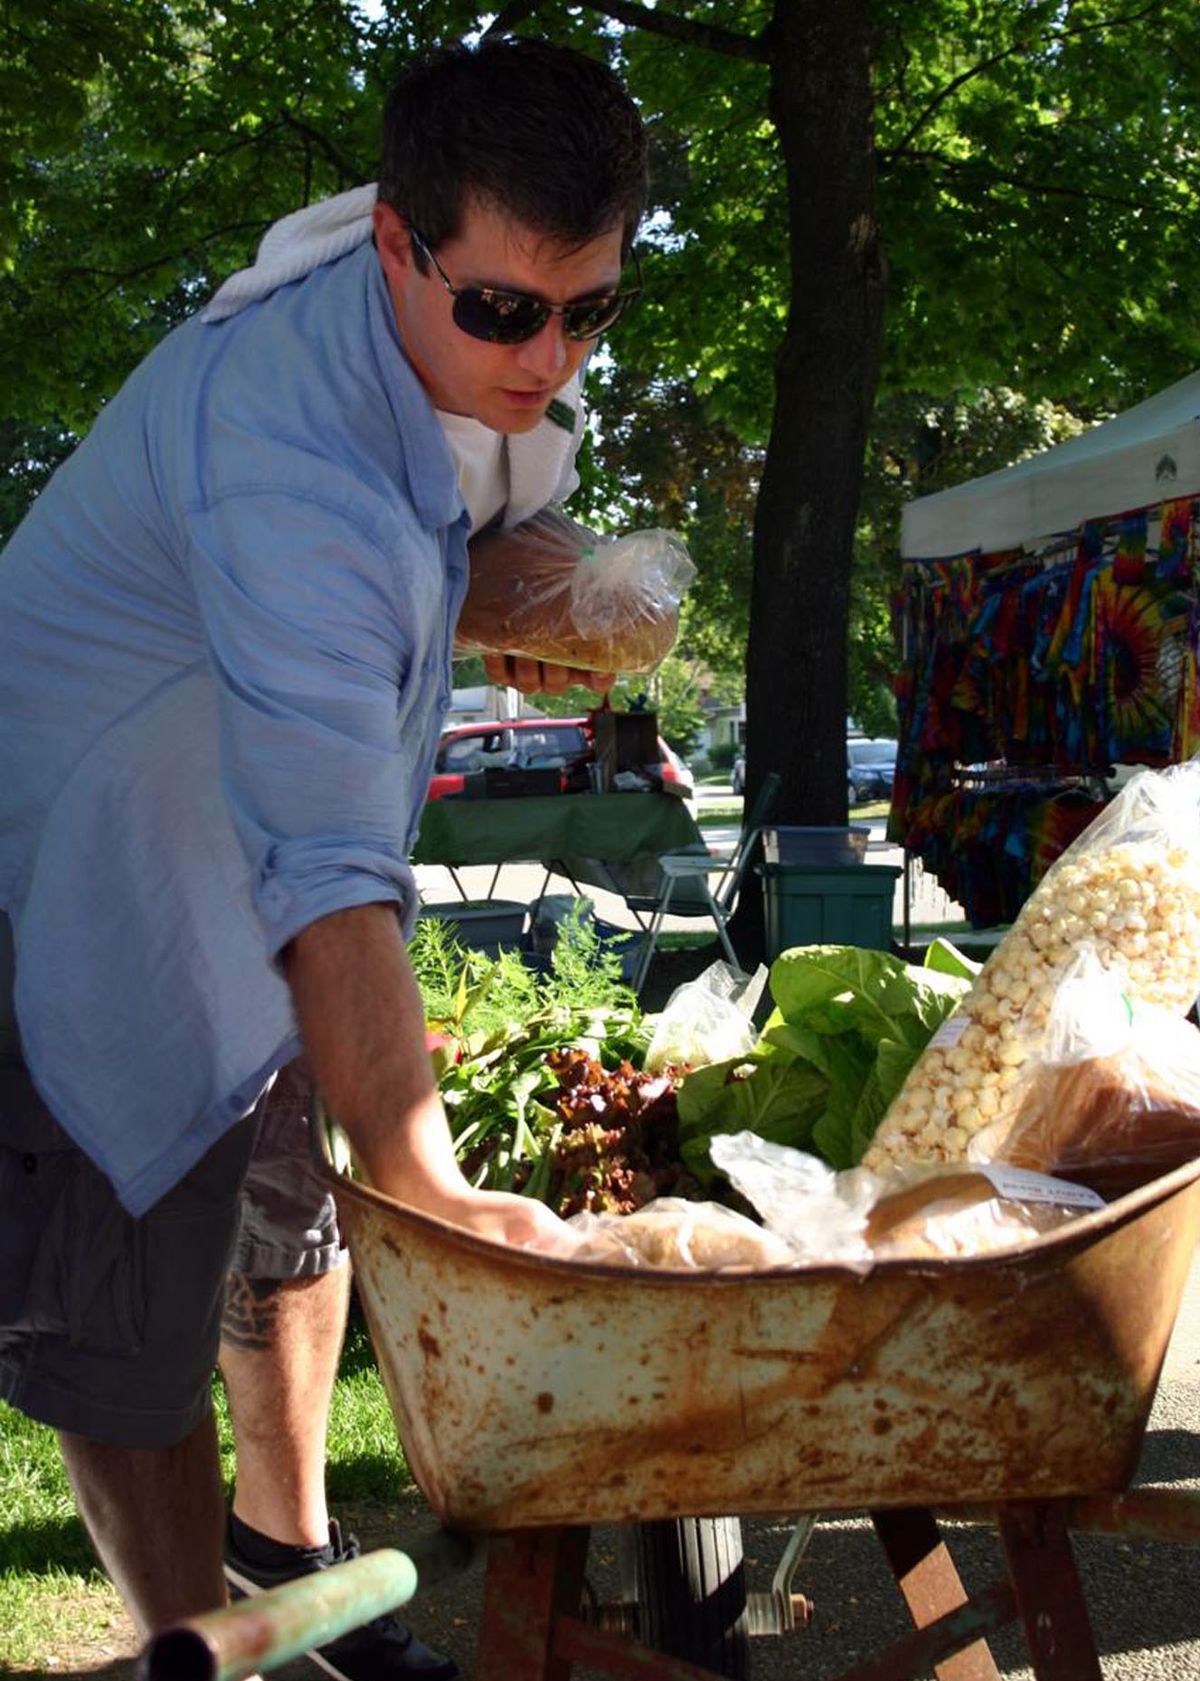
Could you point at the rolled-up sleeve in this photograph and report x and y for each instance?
(321, 629)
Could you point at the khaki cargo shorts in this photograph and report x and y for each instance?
(109, 1325)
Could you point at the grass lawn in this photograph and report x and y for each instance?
(60, 1611)
(680, 940)
(52, 1592)
(730, 811)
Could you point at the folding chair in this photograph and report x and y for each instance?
(683, 882)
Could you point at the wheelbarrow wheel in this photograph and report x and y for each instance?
(689, 1580)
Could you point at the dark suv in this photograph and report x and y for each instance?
(530, 744)
(870, 768)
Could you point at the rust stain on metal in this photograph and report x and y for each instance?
(1144, 1514)
(1024, 1376)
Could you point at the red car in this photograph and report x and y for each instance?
(533, 744)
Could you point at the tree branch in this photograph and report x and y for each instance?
(1049, 38)
(120, 278)
(345, 166)
(508, 18)
(197, 181)
(994, 177)
(673, 28)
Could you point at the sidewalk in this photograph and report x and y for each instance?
(1182, 1364)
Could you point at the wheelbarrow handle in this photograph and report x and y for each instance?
(261, 1633)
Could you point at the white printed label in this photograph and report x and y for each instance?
(1019, 1185)
(951, 1031)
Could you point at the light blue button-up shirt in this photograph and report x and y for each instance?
(225, 639)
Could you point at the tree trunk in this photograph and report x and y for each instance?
(826, 372)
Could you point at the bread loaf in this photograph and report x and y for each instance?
(1108, 1123)
(692, 1237)
(957, 1212)
(619, 614)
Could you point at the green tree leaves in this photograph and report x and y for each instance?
(1036, 203)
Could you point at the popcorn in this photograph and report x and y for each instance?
(1135, 903)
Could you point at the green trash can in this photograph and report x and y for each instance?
(829, 905)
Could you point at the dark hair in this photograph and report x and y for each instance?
(537, 131)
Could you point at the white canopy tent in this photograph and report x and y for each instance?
(1149, 454)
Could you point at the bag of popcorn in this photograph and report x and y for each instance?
(1128, 887)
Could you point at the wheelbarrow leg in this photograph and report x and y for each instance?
(1041, 1566)
(532, 1576)
(929, 1581)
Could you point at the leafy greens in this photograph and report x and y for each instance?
(847, 1027)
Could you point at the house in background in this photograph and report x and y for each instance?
(488, 700)
(724, 727)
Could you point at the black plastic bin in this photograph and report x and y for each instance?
(818, 848)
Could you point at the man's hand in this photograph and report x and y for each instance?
(534, 677)
(521, 1222)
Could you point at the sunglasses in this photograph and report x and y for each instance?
(485, 312)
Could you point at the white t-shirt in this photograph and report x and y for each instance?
(481, 457)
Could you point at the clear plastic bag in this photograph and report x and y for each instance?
(1113, 1099)
(813, 1216)
(856, 1218)
(1129, 886)
(924, 1214)
(706, 1020)
(821, 1215)
(670, 1233)
(552, 590)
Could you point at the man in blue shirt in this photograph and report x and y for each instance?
(225, 639)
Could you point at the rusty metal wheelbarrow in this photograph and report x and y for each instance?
(536, 1397)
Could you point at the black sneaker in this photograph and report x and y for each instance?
(383, 1650)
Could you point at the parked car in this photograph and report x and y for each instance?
(870, 768)
(530, 744)
(737, 774)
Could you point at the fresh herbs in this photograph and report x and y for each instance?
(509, 1035)
(466, 993)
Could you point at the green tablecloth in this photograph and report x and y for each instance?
(619, 828)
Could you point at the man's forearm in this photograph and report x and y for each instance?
(363, 1025)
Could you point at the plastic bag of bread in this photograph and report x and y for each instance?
(1113, 1101)
(969, 1211)
(552, 590)
(856, 1218)
(675, 1235)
